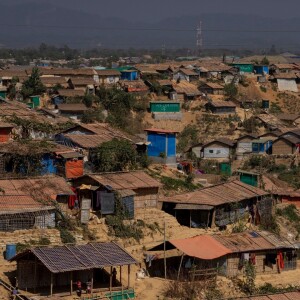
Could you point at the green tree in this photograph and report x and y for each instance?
(33, 85)
(115, 155)
(93, 115)
(265, 61)
(230, 90)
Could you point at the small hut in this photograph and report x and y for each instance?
(55, 270)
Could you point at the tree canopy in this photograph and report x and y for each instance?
(33, 85)
(115, 155)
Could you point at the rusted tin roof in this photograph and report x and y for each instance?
(125, 180)
(229, 192)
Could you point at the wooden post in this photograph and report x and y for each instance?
(35, 271)
(92, 281)
(190, 219)
(110, 280)
(51, 285)
(208, 217)
(121, 279)
(128, 276)
(165, 259)
(180, 265)
(213, 221)
(71, 284)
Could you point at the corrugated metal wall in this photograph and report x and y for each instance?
(171, 145)
(158, 144)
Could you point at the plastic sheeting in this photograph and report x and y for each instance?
(202, 246)
(74, 168)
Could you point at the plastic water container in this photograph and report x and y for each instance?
(11, 251)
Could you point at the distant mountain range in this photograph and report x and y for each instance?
(26, 25)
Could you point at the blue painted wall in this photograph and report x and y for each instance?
(129, 75)
(158, 144)
(261, 69)
(171, 145)
(161, 143)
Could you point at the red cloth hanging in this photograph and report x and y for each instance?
(72, 198)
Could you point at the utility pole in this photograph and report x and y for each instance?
(199, 41)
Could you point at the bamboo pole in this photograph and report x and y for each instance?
(51, 285)
(35, 271)
(180, 265)
(110, 280)
(128, 276)
(165, 259)
(71, 284)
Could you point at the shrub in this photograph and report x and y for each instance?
(178, 184)
(66, 236)
(263, 89)
(230, 90)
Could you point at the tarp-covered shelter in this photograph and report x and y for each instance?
(58, 268)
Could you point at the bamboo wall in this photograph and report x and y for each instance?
(146, 198)
(281, 147)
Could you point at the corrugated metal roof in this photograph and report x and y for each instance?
(285, 296)
(10, 204)
(126, 180)
(219, 103)
(72, 107)
(40, 186)
(181, 206)
(229, 192)
(243, 242)
(89, 141)
(71, 93)
(82, 257)
(160, 130)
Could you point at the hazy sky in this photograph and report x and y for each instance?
(148, 10)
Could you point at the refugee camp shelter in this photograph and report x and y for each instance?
(229, 254)
(262, 146)
(251, 178)
(43, 188)
(286, 145)
(212, 88)
(184, 91)
(19, 212)
(286, 82)
(129, 73)
(5, 131)
(55, 270)
(244, 67)
(186, 74)
(39, 158)
(86, 137)
(162, 147)
(261, 69)
(73, 110)
(108, 77)
(219, 205)
(136, 189)
(221, 107)
(282, 296)
(221, 148)
(244, 144)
